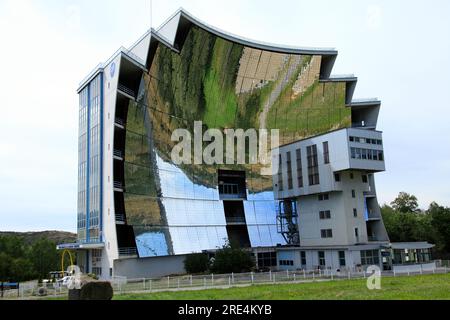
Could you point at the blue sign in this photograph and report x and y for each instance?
(112, 69)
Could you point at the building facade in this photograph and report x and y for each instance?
(140, 214)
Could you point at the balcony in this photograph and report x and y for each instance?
(118, 154)
(120, 218)
(235, 220)
(126, 91)
(230, 191)
(127, 251)
(369, 194)
(362, 125)
(118, 122)
(118, 186)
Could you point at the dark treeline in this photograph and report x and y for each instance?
(22, 261)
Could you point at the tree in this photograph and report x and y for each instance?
(196, 263)
(405, 203)
(44, 257)
(440, 221)
(231, 258)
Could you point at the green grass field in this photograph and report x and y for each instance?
(427, 287)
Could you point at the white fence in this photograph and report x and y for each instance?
(123, 285)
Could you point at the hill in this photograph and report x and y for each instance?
(55, 236)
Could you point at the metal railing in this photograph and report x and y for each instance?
(210, 281)
(127, 251)
(118, 153)
(235, 220)
(118, 185)
(126, 90)
(120, 217)
(119, 121)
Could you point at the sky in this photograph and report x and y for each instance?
(399, 50)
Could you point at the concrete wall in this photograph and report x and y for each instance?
(149, 267)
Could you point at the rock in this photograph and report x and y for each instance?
(96, 290)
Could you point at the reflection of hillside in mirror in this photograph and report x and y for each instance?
(176, 210)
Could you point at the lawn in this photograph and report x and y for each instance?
(427, 287)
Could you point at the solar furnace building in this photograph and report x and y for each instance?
(140, 214)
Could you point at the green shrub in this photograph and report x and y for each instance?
(232, 259)
(196, 263)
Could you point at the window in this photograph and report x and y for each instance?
(366, 140)
(303, 257)
(353, 194)
(324, 196)
(280, 173)
(97, 271)
(364, 178)
(326, 233)
(267, 259)
(298, 155)
(357, 234)
(321, 258)
(355, 212)
(325, 215)
(289, 170)
(96, 253)
(313, 165)
(286, 262)
(337, 177)
(351, 175)
(326, 153)
(342, 258)
(366, 154)
(110, 272)
(370, 257)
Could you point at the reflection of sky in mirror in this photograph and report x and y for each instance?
(151, 244)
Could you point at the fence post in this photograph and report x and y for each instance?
(349, 274)
(232, 277)
(313, 275)
(229, 281)
(212, 279)
(150, 285)
(287, 274)
(144, 283)
(294, 277)
(304, 273)
(191, 280)
(168, 282)
(274, 277)
(331, 275)
(252, 278)
(178, 283)
(270, 275)
(204, 282)
(364, 274)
